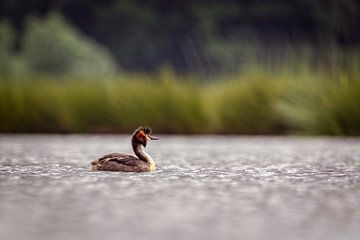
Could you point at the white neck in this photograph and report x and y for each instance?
(142, 155)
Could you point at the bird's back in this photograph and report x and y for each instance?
(119, 162)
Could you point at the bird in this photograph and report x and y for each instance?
(128, 163)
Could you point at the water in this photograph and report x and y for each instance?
(209, 187)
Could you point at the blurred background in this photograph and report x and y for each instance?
(185, 67)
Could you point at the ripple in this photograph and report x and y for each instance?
(205, 187)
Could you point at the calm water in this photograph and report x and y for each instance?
(205, 188)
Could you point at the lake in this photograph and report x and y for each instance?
(206, 187)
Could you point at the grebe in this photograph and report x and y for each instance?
(128, 163)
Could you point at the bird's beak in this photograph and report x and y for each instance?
(153, 138)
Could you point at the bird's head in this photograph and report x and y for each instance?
(141, 135)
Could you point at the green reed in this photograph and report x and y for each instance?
(256, 102)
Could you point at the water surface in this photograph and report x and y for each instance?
(206, 187)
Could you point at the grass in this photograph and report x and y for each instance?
(257, 102)
(244, 105)
(324, 107)
(90, 105)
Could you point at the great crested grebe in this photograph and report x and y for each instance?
(128, 163)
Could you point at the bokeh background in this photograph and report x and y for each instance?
(189, 67)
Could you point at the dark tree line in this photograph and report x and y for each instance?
(144, 35)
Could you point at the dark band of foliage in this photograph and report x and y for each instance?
(195, 35)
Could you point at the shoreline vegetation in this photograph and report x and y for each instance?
(257, 102)
(56, 79)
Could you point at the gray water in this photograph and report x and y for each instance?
(206, 187)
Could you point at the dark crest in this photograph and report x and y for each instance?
(146, 130)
